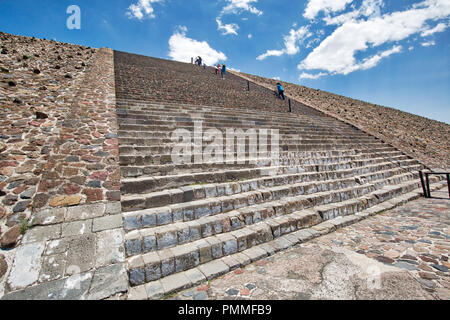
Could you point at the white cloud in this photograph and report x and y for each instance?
(315, 6)
(238, 6)
(270, 53)
(141, 9)
(336, 54)
(372, 61)
(428, 44)
(231, 28)
(439, 28)
(305, 75)
(290, 43)
(183, 49)
(276, 78)
(369, 8)
(235, 7)
(250, 36)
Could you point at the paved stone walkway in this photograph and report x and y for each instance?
(399, 254)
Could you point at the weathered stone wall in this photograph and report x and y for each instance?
(421, 138)
(74, 247)
(39, 80)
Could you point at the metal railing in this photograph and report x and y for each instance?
(426, 181)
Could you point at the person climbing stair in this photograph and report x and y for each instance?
(280, 91)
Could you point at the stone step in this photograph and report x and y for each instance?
(291, 157)
(185, 194)
(144, 106)
(136, 150)
(221, 124)
(227, 170)
(243, 142)
(241, 207)
(154, 265)
(208, 271)
(283, 129)
(237, 117)
(142, 185)
(156, 137)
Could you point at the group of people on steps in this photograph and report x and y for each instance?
(222, 70)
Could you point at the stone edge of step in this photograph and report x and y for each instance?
(183, 280)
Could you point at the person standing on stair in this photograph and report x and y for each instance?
(280, 91)
(224, 70)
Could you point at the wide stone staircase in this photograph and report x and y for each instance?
(191, 221)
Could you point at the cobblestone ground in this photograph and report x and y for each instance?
(399, 254)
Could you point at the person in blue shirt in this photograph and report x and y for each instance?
(224, 70)
(280, 91)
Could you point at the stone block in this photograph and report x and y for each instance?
(183, 232)
(210, 191)
(43, 233)
(148, 218)
(163, 216)
(202, 209)
(148, 241)
(177, 212)
(49, 216)
(27, 265)
(154, 290)
(195, 276)
(176, 196)
(107, 223)
(137, 293)
(166, 238)
(216, 247)
(131, 221)
(167, 262)
(84, 212)
(231, 262)
(214, 269)
(109, 248)
(241, 239)
(204, 249)
(194, 230)
(186, 257)
(255, 253)
(76, 228)
(108, 281)
(133, 243)
(175, 282)
(81, 254)
(158, 199)
(152, 266)
(229, 243)
(113, 208)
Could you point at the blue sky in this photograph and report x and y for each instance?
(390, 52)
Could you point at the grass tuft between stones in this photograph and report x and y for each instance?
(24, 226)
